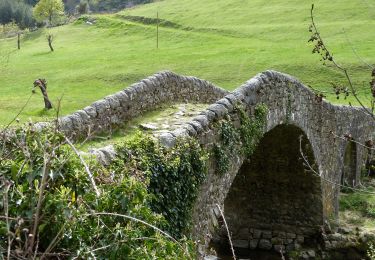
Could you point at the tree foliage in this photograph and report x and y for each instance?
(17, 11)
(111, 5)
(49, 10)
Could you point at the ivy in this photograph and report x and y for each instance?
(245, 138)
(251, 129)
(174, 176)
(221, 159)
(229, 135)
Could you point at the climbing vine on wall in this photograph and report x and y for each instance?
(245, 137)
(252, 128)
(221, 159)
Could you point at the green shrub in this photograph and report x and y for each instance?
(44, 185)
(174, 176)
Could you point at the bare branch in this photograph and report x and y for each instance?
(85, 165)
(228, 233)
(326, 55)
(142, 222)
(355, 51)
(308, 165)
(43, 183)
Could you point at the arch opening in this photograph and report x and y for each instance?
(349, 171)
(274, 202)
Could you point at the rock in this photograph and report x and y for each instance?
(167, 140)
(265, 244)
(257, 233)
(292, 247)
(304, 255)
(335, 236)
(211, 257)
(279, 248)
(240, 243)
(276, 241)
(327, 245)
(148, 127)
(244, 232)
(311, 253)
(104, 155)
(267, 234)
(253, 243)
(344, 230)
(300, 239)
(179, 113)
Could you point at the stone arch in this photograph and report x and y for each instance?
(274, 202)
(349, 170)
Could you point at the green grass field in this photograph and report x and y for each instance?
(226, 42)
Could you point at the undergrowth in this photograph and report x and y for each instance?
(51, 209)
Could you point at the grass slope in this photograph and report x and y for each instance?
(226, 42)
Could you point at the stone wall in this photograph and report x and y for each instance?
(151, 93)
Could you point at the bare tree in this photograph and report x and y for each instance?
(50, 40)
(42, 84)
(19, 40)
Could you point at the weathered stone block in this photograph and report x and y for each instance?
(265, 244)
(253, 243)
(241, 243)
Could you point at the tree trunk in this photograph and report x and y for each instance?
(18, 41)
(41, 83)
(49, 38)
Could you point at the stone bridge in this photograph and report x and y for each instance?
(270, 199)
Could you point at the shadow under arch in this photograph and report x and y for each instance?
(349, 171)
(274, 203)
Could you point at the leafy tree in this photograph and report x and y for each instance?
(48, 10)
(6, 11)
(31, 2)
(17, 11)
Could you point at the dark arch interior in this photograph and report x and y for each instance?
(348, 177)
(274, 202)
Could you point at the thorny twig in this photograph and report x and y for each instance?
(321, 48)
(347, 137)
(142, 222)
(19, 112)
(307, 164)
(355, 51)
(6, 209)
(85, 165)
(45, 171)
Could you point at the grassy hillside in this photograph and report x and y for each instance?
(226, 42)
